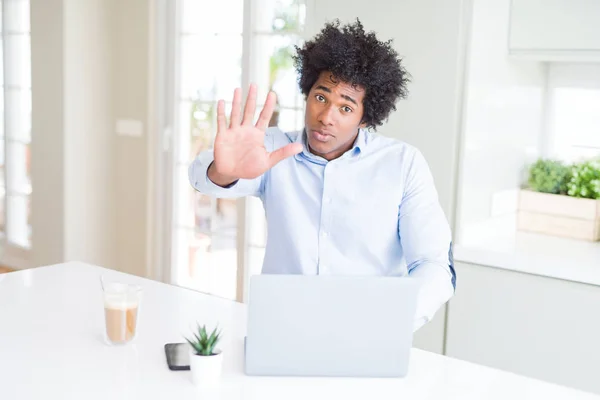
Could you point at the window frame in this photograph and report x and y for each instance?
(13, 254)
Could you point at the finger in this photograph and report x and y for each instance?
(234, 120)
(284, 152)
(267, 112)
(250, 106)
(221, 119)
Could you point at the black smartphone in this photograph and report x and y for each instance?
(178, 356)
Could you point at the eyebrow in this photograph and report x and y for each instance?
(326, 89)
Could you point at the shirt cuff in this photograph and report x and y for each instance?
(436, 289)
(198, 176)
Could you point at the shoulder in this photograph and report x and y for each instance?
(405, 160)
(394, 150)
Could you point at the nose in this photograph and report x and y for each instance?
(326, 117)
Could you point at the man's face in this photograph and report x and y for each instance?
(334, 112)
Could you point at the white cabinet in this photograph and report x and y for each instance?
(531, 325)
(555, 30)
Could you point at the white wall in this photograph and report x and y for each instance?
(88, 133)
(502, 120)
(73, 202)
(430, 36)
(47, 150)
(89, 66)
(131, 66)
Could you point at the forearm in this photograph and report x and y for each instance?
(436, 288)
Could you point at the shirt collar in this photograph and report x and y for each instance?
(357, 148)
(361, 141)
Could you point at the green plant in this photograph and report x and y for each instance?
(549, 176)
(280, 60)
(203, 343)
(585, 180)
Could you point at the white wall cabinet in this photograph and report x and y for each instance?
(531, 325)
(555, 30)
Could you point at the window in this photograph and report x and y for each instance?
(15, 124)
(574, 111)
(550, 111)
(219, 46)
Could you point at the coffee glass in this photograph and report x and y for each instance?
(121, 311)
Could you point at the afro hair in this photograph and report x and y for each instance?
(353, 56)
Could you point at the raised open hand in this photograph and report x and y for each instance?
(239, 150)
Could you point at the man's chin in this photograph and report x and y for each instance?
(318, 147)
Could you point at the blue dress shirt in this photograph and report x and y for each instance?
(372, 211)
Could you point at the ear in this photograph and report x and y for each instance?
(363, 125)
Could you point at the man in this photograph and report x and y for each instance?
(338, 198)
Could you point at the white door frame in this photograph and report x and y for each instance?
(160, 139)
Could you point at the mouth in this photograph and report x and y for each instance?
(321, 136)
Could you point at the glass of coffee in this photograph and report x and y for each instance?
(121, 310)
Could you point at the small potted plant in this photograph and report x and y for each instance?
(562, 200)
(206, 361)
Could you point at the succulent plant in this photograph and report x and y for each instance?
(204, 344)
(549, 176)
(585, 180)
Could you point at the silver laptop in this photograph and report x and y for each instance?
(349, 326)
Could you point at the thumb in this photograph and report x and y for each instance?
(284, 152)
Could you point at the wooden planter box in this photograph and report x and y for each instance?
(559, 215)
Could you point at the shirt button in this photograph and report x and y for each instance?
(325, 234)
(327, 200)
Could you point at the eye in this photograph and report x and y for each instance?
(320, 98)
(347, 109)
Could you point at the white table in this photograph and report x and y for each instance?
(51, 347)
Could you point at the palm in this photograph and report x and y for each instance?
(239, 148)
(241, 153)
